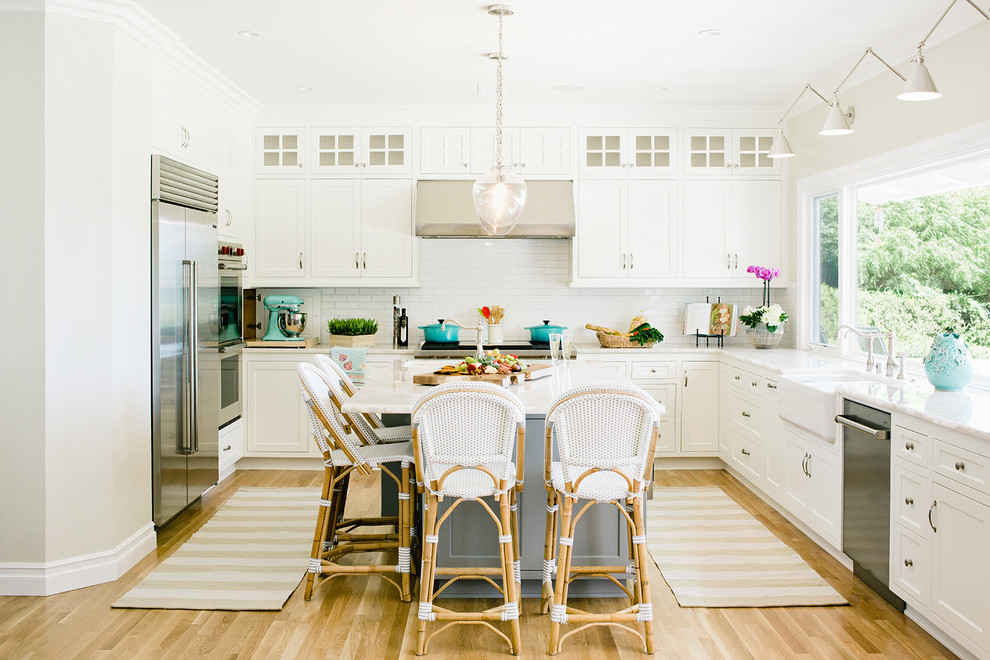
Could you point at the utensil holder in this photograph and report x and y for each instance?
(495, 334)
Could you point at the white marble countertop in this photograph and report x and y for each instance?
(398, 394)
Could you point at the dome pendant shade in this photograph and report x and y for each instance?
(499, 199)
(919, 85)
(780, 148)
(835, 122)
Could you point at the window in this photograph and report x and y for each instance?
(825, 270)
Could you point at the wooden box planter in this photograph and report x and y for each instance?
(352, 341)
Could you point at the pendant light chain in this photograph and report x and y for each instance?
(498, 99)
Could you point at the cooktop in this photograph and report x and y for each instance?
(432, 349)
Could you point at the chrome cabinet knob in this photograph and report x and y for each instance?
(909, 446)
(960, 465)
(909, 500)
(908, 562)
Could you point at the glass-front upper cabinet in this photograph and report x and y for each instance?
(280, 150)
(632, 152)
(743, 152)
(348, 150)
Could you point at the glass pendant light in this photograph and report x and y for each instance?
(499, 194)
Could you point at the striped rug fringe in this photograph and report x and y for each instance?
(713, 553)
(250, 555)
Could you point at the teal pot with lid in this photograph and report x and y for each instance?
(541, 333)
(447, 334)
(948, 364)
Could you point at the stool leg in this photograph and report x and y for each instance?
(563, 568)
(322, 519)
(549, 553)
(509, 573)
(427, 573)
(514, 511)
(405, 516)
(642, 574)
(636, 588)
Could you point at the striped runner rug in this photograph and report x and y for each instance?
(713, 553)
(250, 555)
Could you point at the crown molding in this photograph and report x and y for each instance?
(122, 14)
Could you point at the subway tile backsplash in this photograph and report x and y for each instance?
(529, 278)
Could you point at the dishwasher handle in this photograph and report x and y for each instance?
(879, 434)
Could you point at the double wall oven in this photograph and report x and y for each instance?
(232, 262)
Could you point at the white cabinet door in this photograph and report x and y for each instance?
(277, 419)
(280, 231)
(960, 571)
(483, 149)
(335, 150)
(797, 481)
(755, 225)
(705, 233)
(386, 228)
(335, 228)
(280, 150)
(707, 151)
(825, 512)
(699, 407)
(773, 443)
(751, 149)
(544, 151)
(445, 150)
(910, 565)
(385, 150)
(652, 234)
(601, 228)
(603, 151)
(652, 151)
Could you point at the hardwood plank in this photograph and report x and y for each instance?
(362, 617)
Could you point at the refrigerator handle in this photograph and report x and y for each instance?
(194, 343)
(184, 441)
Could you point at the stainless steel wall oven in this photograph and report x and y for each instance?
(231, 262)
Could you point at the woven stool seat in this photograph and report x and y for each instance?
(603, 486)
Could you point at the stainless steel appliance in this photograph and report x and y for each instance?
(231, 264)
(866, 496)
(523, 349)
(185, 321)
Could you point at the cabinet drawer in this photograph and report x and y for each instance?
(746, 412)
(747, 454)
(619, 367)
(654, 370)
(913, 446)
(667, 438)
(961, 465)
(665, 395)
(910, 567)
(910, 497)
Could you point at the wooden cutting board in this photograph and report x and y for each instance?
(533, 372)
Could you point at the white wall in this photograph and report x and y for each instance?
(528, 277)
(22, 358)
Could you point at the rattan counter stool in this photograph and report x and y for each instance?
(368, 426)
(606, 435)
(343, 453)
(463, 439)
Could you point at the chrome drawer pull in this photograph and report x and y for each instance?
(771, 386)
(909, 500)
(908, 562)
(960, 465)
(227, 448)
(745, 452)
(909, 446)
(737, 377)
(930, 510)
(745, 414)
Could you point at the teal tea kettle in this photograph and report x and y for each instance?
(286, 321)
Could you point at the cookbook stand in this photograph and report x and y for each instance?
(698, 334)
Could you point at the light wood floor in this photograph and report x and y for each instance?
(361, 617)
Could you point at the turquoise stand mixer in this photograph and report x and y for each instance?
(286, 321)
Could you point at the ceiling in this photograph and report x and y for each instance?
(639, 52)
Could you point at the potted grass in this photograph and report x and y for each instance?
(352, 332)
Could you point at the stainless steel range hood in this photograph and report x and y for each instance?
(445, 209)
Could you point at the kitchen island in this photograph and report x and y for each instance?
(469, 539)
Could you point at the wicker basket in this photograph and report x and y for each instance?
(615, 341)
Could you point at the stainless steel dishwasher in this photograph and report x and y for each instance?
(866, 495)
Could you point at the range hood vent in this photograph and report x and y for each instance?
(445, 209)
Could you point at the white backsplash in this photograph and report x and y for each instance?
(529, 278)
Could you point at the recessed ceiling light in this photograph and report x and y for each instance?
(304, 88)
(710, 33)
(570, 88)
(658, 89)
(249, 33)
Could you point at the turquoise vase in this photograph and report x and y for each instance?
(948, 364)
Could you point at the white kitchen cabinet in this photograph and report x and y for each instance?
(234, 214)
(357, 151)
(729, 225)
(739, 152)
(445, 150)
(280, 228)
(699, 407)
(483, 149)
(960, 572)
(361, 229)
(277, 419)
(280, 150)
(544, 151)
(813, 484)
(633, 152)
(626, 229)
(231, 443)
(749, 430)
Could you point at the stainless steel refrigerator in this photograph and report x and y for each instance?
(185, 323)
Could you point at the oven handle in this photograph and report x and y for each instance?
(879, 434)
(233, 348)
(224, 265)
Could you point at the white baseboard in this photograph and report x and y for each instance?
(287, 463)
(687, 463)
(944, 638)
(45, 579)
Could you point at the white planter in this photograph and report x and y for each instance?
(352, 341)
